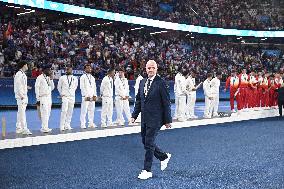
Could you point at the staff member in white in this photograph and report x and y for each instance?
(215, 85)
(21, 95)
(208, 95)
(176, 95)
(67, 86)
(136, 87)
(181, 96)
(106, 91)
(191, 96)
(122, 98)
(89, 96)
(43, 87)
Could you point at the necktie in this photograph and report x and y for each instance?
(148, 85)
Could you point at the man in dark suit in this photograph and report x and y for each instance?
(153, 101)
(280, 99)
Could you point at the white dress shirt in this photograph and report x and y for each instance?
(20, 85)
(121, 87)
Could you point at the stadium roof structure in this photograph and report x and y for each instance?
(54, 6)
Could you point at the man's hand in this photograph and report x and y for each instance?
(194, 89)
(87, 99)
(132, 120)
(168, 125)
(210, 98)
(37, 103)
(29, 87)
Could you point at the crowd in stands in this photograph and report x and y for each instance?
(59, 44)
(247, 14)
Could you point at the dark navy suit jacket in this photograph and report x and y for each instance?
(155, 108)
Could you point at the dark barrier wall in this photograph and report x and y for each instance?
(7, 97)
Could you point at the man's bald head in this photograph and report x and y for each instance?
(151, 68)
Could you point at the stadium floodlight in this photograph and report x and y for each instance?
(83, 11)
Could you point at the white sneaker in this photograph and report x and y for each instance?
(62, 129)
(194, 117)
(103, 125)
(68, 128)
(233, 111)
(206, 116)
(83, 127)
(19, 131)
(92, 125)
(120, 123)
(45, 130)
(164, 164)
(215, 115)
(27, 132)
(145, 175)
(181, 120)
(111, 125)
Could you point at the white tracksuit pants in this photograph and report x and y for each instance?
(107, 110)
(208, 104)
(66, 112)
(122, 106)
(87, 107)
(190, 104)
(45, 109)
(21, 114)
(176, 109)
(181, 108)
(214, 105)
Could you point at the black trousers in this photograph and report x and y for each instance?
(149, 135)
(280, 105)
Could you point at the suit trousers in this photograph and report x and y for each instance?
(45, 109)
(149, 135)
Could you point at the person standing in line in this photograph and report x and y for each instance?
(191, 96)
(89, 96)
(176, 95)
(136, 87)
(215, 85)
(233, 83)
(21, 95)
(122, 98)
(153, 101)
(243, 90)
(67, 86)
(252, 91)
(259, 90)
(181, 96)
(208, 95)
(43, 88)
(106, 91)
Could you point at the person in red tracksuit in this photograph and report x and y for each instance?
(233, 82)
(259, 79)
(272, 88)
(252, 91)
(243, 89)
(265, 91)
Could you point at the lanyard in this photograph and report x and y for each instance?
(69, 82)
(47, 80)
(23, 76)
(90, 82)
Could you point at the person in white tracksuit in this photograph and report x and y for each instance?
(215, 85)
(208, 95)
(136, 87)
(181, 96)
(122, 98)
(67, 86)
(191, 96)
(43, 87)
(21, 95)
(106, 91)
(176, 95)
(89, 96)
